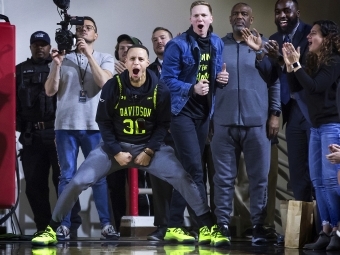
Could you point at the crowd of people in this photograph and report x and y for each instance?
(204, 99)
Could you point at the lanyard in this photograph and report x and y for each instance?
(82, 76)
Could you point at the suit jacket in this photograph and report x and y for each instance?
(299, 40)
(156, 66)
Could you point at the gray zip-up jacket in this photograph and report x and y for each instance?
(244, 101)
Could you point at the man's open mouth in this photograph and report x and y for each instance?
(135, 71)
(200, 26)
(283, 23)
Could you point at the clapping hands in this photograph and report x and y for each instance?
(290, 55)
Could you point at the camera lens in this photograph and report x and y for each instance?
(64, 39)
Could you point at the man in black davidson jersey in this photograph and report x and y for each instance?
(133, 117)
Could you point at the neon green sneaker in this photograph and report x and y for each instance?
(180, 235)
(220, 236)
(204, 236)
(44, 238)
(44, 250)
(178, 249)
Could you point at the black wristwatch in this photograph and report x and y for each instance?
(275, 113)
(296, 64)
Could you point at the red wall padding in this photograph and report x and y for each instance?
(7, 115)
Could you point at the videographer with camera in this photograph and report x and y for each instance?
(77, 78)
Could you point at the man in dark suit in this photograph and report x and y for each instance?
(295, 114)
(161, 190)
(160, 37)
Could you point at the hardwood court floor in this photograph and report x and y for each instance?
(139, 246)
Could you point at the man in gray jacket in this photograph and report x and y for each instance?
(240, 117)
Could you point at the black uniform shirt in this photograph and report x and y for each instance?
(33, 105)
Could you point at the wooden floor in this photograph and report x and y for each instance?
(140, 246)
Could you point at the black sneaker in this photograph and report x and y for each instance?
(248, 233)
(272, 235)
(194, 234)
(280, 241)
(109, 233)
(157, 235)
(225, 231)
(259, 234)
(73, 234)
(62, 233)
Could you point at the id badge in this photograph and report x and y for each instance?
(82, 96)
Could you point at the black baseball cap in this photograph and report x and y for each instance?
(125, 37)
(40, 36)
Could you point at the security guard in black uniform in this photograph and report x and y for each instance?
(35, 117)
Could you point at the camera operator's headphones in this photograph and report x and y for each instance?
(125, 37)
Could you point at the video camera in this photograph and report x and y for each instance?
(63, 36)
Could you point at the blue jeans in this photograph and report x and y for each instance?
(68, 143)
(324, 174)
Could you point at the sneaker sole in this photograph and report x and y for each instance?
(204, 242)
(43, 243)
(109, 238)
(259, 240)
(220, 244)
(153, 238)
(180, 241)
(63, 238)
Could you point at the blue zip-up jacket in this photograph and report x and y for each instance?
(180, 68)
(244, 101)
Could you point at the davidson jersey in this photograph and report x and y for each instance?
(134, 115)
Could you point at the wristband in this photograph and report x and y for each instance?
(275, 113)
(147, 153)
(259, 52)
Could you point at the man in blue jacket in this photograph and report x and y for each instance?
(240, 117)
(192, 68)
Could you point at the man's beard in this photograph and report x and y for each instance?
(291, 24)
(238, 29)
(159, 52)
